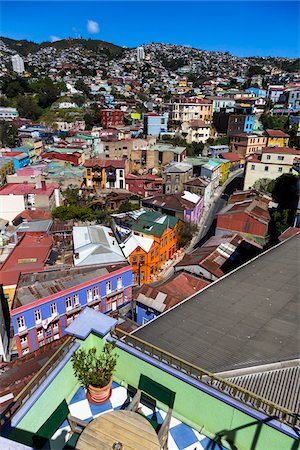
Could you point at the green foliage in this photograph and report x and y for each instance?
(8, 134)
(93, 117)
(14, 86)
(28, 107)
(81, 86)
(128, 206)
(222, 140)
(275, 122)
(186, 231)
(78, 213)
(95, 370)
(255, 70)
(71, 196)
(264, 185)
(282, 220)
(3, 101)
(47, 92)
(285, 191)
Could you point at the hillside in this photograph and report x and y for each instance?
(24, 47)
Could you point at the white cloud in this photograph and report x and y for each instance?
(55, 38)
(93, 27)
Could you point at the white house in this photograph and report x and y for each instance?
(270, 163)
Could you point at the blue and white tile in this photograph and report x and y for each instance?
(181, 436)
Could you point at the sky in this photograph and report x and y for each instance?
(256, 28)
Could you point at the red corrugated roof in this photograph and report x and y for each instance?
(29, 255)
(281, 150)
(29, 188)
(116, 163)
(231, 156)
(277, 133)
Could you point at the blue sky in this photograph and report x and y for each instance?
(240, 27)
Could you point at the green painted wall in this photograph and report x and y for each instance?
(192, 406)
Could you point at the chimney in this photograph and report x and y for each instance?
(43, 185)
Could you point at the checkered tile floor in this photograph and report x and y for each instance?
(181, 437)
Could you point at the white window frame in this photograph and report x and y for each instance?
(21, 323)
(38, 316)
(119, 283)
(108, 287)
(23, 340)
(95, 292)
(76, 300)
(53, 309)
(89, 295)
(69, 303)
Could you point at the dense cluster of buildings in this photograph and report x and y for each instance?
(151, 173)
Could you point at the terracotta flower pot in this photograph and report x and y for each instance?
(100, 395)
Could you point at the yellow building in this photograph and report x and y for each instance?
(105, 173)
(277, 138)
(225, 166)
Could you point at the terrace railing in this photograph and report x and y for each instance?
(221, 385)
(36, 381)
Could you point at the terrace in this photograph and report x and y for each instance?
(208, 413)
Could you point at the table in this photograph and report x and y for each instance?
(130, 428)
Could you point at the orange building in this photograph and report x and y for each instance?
(149, 239)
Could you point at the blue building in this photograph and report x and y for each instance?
(249, 123)
(154, 124)
(46, 303)
(20, 159)
(257, 91)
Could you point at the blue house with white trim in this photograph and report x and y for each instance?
(46, 303)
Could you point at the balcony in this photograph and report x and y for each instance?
(209, 412)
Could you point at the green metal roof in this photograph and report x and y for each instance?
(153, 223)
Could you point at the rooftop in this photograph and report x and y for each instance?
(30, 254)
(37, 286)
(95, 244)
(177, 202)
(247, 318)
(25, 189)
(281, 150)
(277, 133)
(117, 164)
(171, 292)
(151, 223)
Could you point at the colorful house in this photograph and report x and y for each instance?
(277, 138)
(152, 301)
(236, 160)
(46, 303)
(224, 169)
(105, 173)
(20, 159)
(148, 239)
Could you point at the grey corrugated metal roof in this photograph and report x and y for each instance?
(247, 318)
(281, 386)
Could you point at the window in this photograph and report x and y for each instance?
(53, 309)
(25, 351)
(142, 259)
(266, 168)
(280, 158)
(134, 260)
(40, 333)
(279, 169)
(21, 323)
(96, 292)
(55, 326)
(268, 156)
(69, 303)
(252, 166)
(89, 294)
(23, 340)
(108, 287)
(76, 300)
(121, 173)
(119, 283)
(37, 316)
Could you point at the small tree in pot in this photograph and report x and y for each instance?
(94, 371)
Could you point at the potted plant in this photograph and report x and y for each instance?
(94, 371)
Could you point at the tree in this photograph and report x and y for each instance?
(275, 122)
(81, 86)
(28, 107)
(285, 192)
(264, 185)
(47, 92)
(8, 134)
(71, 196)
(186, 230)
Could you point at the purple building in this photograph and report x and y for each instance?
(183, 205)
(45, 303)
